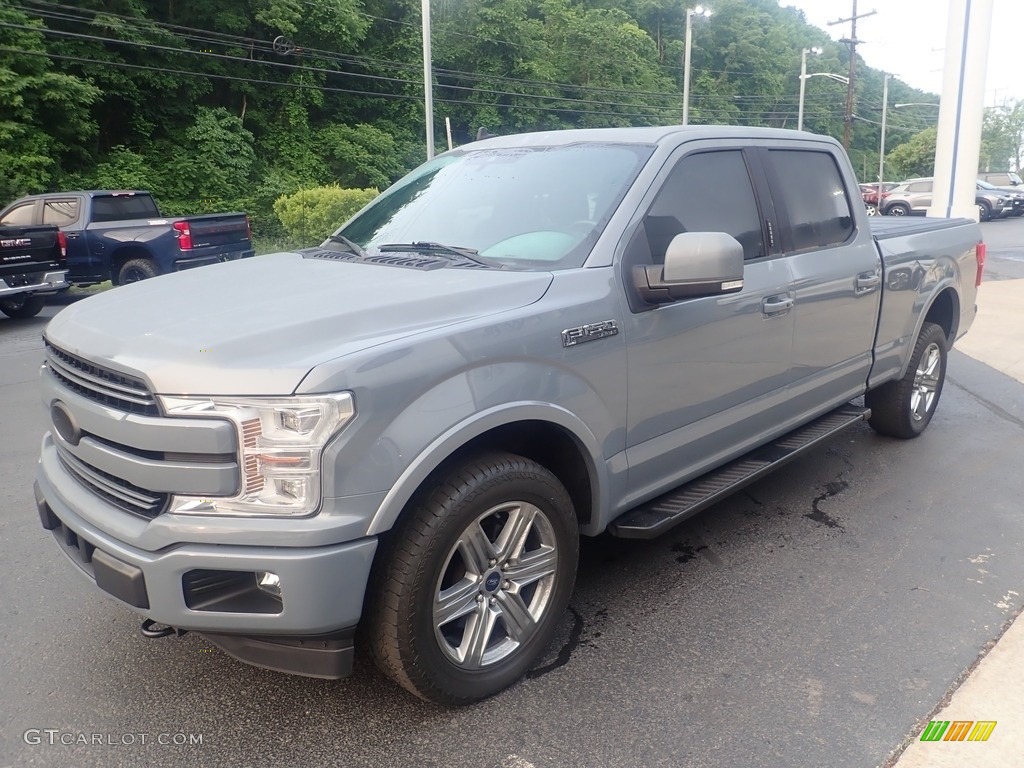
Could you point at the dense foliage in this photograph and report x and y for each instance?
(236, 103)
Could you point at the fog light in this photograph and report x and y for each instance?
(269, 582)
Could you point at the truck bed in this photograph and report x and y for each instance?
(888, 227)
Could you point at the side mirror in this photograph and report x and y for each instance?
(696, 264)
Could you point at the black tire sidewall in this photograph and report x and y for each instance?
(929, 333)
(144, 266)
(529, 483)
(23, 306)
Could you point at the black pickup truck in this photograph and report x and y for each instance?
(121, 236)
(32, 265)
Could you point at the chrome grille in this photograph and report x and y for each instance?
(102, 385)
(120, 493)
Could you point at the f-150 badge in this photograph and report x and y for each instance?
(589, 332)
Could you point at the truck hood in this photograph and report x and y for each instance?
(257, 326)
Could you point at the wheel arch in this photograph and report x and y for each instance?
(944, 311)
(549, 435)
(125, 254)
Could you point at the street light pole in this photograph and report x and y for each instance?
(690, 13)
(803, 84)
(428, 79)
(881, 149)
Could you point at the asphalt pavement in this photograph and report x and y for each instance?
(818, 619)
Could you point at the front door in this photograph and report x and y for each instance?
(704, 373)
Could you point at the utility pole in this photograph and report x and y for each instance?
(852, 41)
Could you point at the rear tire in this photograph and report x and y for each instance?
(471, 584)
(905, 407)
(23, 305)
(134, 270)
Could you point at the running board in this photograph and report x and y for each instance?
(658, 515)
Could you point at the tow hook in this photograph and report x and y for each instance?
(152, 629)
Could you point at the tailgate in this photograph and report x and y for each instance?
(28, 249)
(219, 229)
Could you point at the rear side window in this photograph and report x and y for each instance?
(811, 189)
(706, 192)
(60, 212)
(19, 217)
(123, 207)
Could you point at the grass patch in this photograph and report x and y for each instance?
(77, 290)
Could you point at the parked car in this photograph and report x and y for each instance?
(530, 338)
(1014, 194)
(869, 192)
(1002, 178)
(914, 197)
(32, 266)
(122, 237)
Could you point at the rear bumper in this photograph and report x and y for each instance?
(42, 282)
(199, 259)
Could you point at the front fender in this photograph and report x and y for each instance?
(478, 424)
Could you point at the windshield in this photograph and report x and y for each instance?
(540, 207)
(985, 185)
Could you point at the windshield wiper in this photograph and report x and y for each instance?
(349, 244)
(441, 249)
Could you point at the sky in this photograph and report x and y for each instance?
(908, 37)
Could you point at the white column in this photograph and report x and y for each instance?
(428, 79)
(961, 109)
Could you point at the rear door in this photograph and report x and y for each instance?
(836, 272)
(705, 373)
(920, 194)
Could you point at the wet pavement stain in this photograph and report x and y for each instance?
(818, 515)
(565, 652)
(686, 552)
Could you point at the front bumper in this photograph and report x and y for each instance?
(43, 282)
(210, 588)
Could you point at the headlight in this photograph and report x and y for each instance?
(280, 442)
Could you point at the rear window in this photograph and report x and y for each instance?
(812, 190)
(60, 212)
(122, 207)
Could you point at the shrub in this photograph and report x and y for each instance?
(310, 215)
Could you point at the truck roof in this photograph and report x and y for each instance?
(645, 135)
(87, 193)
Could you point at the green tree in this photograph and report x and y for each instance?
(44, 114)
(916, 157)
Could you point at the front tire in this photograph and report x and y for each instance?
(984, 212)
(898, 209)
(905, 407)
(23, 306)
(473, 582)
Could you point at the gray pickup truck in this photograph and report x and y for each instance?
(525, 340)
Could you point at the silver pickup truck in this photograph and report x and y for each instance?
(407, 429)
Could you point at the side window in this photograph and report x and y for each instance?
(706, 192)
(920, 186)
(19, 217)
(812, 191)
(60, 212)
